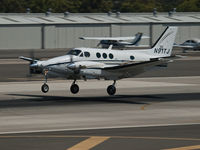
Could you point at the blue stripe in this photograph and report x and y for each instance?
(90, 60)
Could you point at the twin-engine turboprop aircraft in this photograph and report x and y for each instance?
(108, 64)
(118, 42)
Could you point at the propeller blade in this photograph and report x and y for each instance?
(26, 58)
(71, 58)
(33, 65)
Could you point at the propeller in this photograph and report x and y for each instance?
(71, 58)
(34, 69)
(73, 66)
(33, 65)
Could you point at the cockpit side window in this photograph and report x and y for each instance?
(188, 41)
(75, 52)
(87, 54)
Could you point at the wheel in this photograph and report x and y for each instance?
(74, 88)
(45, 88)
(111, 89)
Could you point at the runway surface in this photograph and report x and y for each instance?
(156, 110)
(139, 102)
(151, 138)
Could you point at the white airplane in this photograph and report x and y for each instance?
(193, 44)
(118, 42)
(108, 64)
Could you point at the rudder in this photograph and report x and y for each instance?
(164, 45)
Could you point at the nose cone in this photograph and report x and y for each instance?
(34, 65)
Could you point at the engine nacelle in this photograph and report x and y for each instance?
(84, 65)
(91, 73)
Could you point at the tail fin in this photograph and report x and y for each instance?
(137, 39)
(164, 44)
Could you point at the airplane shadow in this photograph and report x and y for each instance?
(30, 100)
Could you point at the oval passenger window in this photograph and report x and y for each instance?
(132, 57)
(104, 55)
(98, 55)
(111, 56)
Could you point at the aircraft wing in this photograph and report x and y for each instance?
(183, 46)
(111, 38)
(131, 69)
(108, 38)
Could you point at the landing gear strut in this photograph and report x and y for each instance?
(111, 89)
(45, 87)
(74, 88)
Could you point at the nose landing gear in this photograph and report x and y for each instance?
(74, 88)
(111, 89)
(45, 87)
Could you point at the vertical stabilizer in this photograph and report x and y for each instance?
(137, 39)
(164, 44)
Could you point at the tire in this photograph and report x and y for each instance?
(111, 90)
(45, 88)
(74, 88)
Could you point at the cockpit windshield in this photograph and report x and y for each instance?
(75, 52)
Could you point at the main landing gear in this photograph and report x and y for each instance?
(45, 87)
(111, 89)
(74, 88)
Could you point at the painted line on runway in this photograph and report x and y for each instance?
(195, 147)
(89, 143)
(146, 105)
(96, 128)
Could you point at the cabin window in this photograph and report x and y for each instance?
(98, 55)
(111, 56)
(75, 52)
(81, 55)
(87, 54)
(132, 57)
(104, 55)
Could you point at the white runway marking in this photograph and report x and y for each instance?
(98, 128)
